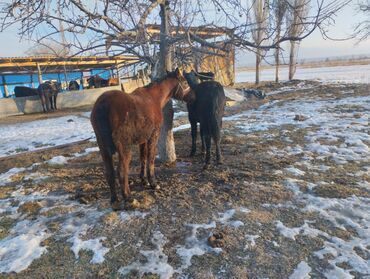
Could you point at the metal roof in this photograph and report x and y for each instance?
(51, 64)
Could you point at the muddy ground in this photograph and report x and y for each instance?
(243, 202)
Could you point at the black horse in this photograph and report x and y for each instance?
(48, 92)
(73, 85)
(97, 82)
(207, 108)
(204, 76)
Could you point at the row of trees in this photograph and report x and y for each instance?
(120, 27)
(281, 20)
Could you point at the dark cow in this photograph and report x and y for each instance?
(73, 85)
(207, 109)
(48, 92)
(23, 91)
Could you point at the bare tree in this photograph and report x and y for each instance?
(362, 30)
(279, 8)
(296, 17)
(260, 10)
(47, 48)
(121, 27)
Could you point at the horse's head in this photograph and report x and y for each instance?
(191, 78)
(182, 89)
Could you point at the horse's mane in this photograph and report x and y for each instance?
(168, 75)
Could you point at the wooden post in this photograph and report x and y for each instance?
(82, 80)
(65, 77)
(39, 74)
(117, 69)
(32, 84)
(6, 93)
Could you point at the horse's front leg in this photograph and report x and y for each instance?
(55, 101)
(47, 102)
(43, 102)
(144, 163)
(124, 155)
(152, 148)
(51, 101)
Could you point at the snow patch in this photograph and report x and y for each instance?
(95, 245)
(156, 260)
(195, 245)
(302, 271)
(23, 245)
(58, 160)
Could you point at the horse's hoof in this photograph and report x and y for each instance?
(156, 187)
(145, 183)
(116, 206)
(132, 204)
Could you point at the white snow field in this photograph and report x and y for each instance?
(343, 74)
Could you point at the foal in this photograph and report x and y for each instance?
(122, 120)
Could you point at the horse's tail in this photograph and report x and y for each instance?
(102, 127)
(217, 99)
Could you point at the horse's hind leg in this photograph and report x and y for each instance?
(193, 138)
(202, 140)
(152, 148)
(217, 140)
(124, 155)
(207, 139)
(109, 175)
(144, 162)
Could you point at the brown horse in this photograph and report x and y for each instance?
(122, 120)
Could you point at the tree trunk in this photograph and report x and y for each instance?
(292, 59)
(258, 63)
(277, 64)
(277, 50)
(166, 143)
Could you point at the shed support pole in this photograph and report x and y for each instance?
(39, 73)
(6, 93)
(117, 69)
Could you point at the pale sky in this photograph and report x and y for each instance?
(312, 47)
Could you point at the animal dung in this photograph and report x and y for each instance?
(216, 240)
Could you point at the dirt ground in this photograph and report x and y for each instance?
(240, 203)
